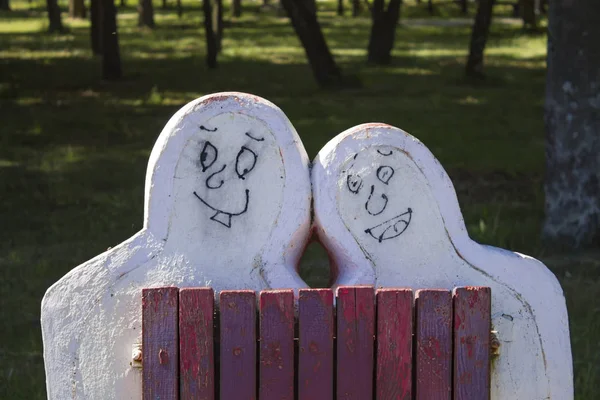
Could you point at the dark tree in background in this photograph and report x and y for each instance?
(479, 36)
(96, 26)
(77, 9)
(356, 8)
(4, 5)
(383, 30)
(217, 16)
(527, 8)
(111, 58)
(572, 118)
(304, 20)
(179, 9)
(236, 8)
(211, 35)
(54, 17)
(146, 13)
(340, 7)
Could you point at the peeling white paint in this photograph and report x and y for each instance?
(363, 219)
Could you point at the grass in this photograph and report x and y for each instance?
(73, 149)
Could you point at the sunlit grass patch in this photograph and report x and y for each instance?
(21, 25)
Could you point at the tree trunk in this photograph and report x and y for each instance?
(527, 8)
(236, 8)
(179, 9)
(211, 37)
(111, 58)
(340, 7)
(164, 4)
(5, 5)
(356, 8)
(218, 23)
(430, 7)
(383, 31)
(77, 9)
(54, 16)
(307, 27)
(464, 7)
(123, 3)
(146, 13)
(481, 29)
(96, 26)
(572, 119)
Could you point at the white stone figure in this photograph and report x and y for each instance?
(227, 205)
(388, 215)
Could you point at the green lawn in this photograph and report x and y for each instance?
(73, 149)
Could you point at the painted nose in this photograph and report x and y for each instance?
(215, 181)
(376, 205)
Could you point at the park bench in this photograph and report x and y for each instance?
(206, 300)
(362, 350)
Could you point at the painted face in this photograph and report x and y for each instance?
(234, 161)
(371, 195)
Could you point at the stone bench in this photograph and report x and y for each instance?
(231, 202)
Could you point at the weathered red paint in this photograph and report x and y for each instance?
(276, 368)
(355, 342)
(194, 377)
(315, 350)
(433, 344)
(196, 368)
(394, 344)
(472, 325)
(160, 373)
(238, 345)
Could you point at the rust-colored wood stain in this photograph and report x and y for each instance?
(371, 344)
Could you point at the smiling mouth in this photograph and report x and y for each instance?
(391, 228)
(224, 217)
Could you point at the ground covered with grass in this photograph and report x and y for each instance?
(73, 149)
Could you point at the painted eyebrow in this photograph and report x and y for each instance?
(253, 138)
(384, 154)
(202, 127)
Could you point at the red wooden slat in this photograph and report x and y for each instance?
(315, 359)
(355, 342)
(160, 349)
(434, 344)
(237, 379)
(276, 345)
(472, 324)
(196, 369)
(394, 344)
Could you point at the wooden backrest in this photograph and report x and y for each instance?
(381, 344)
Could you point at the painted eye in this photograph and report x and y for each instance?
(208, 156)
(244, 162)
(354, 183)
(385, 173)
